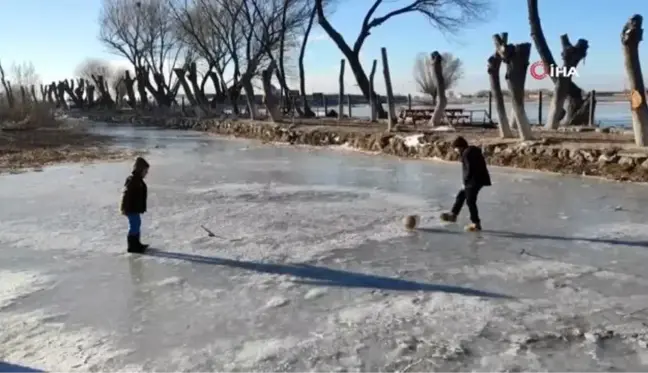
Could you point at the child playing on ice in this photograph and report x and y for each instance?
(133, 204)
(475, 177)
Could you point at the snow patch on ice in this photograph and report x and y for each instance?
(254, 352)
(171, 281)
(315, 293)
(34, 340)
(18, 284)
(276, 302)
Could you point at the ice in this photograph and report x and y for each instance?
(309, 267)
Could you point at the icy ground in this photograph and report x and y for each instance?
(312, 269)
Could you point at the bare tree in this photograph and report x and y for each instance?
(24, 74)
(494, 64)
(630, 37)
(141, 31)
(516, 58)
(451, 66)
(205, 28)
(447, 15)
(162, 49)
(302, 53)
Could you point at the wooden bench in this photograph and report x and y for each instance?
(452, 116)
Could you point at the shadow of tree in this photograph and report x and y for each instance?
(323, 276)
(7, 367)
(534, 236)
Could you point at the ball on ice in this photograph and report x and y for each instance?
(410, 222)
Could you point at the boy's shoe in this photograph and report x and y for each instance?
(473, 227)
(448, 217)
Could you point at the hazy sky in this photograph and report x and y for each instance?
(56, 35)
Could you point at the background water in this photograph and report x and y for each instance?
(608, 113)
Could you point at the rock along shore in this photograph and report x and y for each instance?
(610, 161)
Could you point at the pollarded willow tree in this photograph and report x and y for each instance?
(452, 69)
(631, 36)
(447, 15)
(103, 75)
(578, 106)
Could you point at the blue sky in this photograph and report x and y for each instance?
(31, 31)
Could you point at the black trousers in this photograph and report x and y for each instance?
(467, 195)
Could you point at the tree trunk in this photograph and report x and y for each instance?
(105, 99)
(180, 73)
(66, 88)
(32, 90)
(192, 76)
(142, 79)
(494, 63)
(372, 98)
(391, 112)
(249, 96)
(439, 82)
(23, 95)
(516, 58)
(269, 99)
(571, 55)
(576, 100)
(353, 57)
(341, 94)
(308, 112)
(129, 83)
(513, 122)
(630, 38)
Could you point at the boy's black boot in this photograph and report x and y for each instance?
(133, 245)
(139, 244)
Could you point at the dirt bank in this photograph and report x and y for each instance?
(25, 148)
(577, 152)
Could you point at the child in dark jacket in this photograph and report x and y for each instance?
(475, 177)
(133, 204)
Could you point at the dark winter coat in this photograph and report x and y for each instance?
(134, 195)
(475, 171)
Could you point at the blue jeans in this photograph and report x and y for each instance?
(134, 224)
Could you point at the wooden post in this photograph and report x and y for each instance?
(490, 106)
(540, 107)
(325, 104)
(592, 108)
(183, 104)
(391, 116)
(341, 97)
(349, 105)
(372, 101)
(409, 101)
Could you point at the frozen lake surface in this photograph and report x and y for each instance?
(313, 270)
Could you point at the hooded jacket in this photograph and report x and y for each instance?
(134, 193)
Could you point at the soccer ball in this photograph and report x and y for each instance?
(410, 222)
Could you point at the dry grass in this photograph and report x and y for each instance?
(32, 137)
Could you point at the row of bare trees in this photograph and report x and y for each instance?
(229, 45)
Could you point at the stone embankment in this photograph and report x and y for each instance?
(602, 159)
